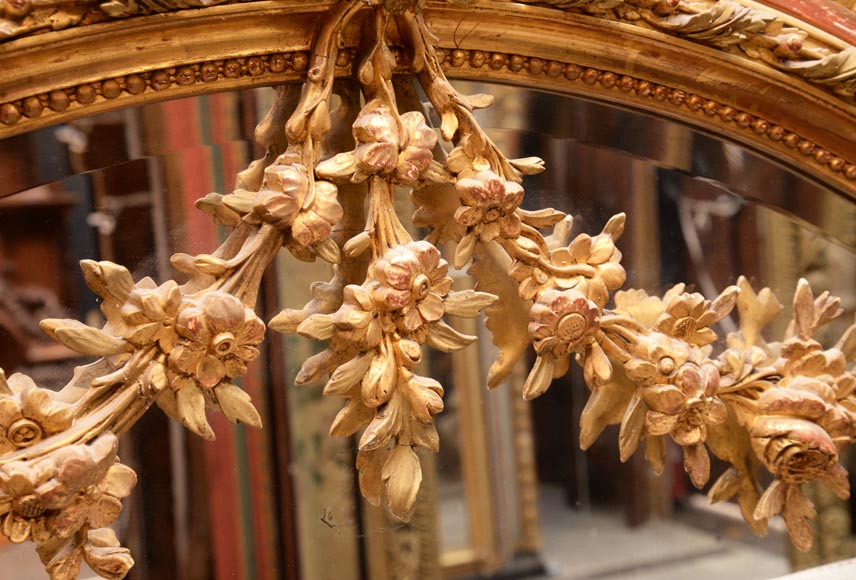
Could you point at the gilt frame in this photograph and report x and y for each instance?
(779, 82)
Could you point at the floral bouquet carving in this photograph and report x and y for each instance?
(327, 189)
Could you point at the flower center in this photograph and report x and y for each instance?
(28, 506)
(684, 327)
(571, 327)
(223, 343)
(802, 465)
(492, 214)
(421, 286)
(24, 432)
(666, 365)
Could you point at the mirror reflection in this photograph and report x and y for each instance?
(510, 493)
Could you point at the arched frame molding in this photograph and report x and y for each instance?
(54, 77)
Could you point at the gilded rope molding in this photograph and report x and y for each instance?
(326, 189)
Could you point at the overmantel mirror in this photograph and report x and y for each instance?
(400, 211)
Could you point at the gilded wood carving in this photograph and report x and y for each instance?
(326, 189)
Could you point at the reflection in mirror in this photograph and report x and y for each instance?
(510, 491)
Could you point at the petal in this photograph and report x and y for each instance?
(597, 292)
(431, 307)
(399, 272)
(223, 312)
(105, 512)
(235, 367)
(685, 434)
(792, 402)
(18, 478)
(660, 423)
(210, 371)
(35, 403)
(697, 464)
(396, 299)
(509, 225)
(513, 195)
(120, 480)
(185, 359)
(468, 216)
(580, 248)
(69, 520)
(427, 255)
(471, 191)
(715, 412)
(612, 274)
(489, 232)
(10, 411)
(664, 398)
(601, 250)
(252, 331)
(16, 528)
(411, 320)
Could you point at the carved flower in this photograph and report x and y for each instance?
(218, 337)
(489, 205)
(417, 153)
(75, 486)
(794, 434)
(591, 265)
(689, 316)
(562, 322)
(28, 413)
(411, 280)
(356, 321)
(150, 312)
(283, 203)
(679, 388)
(383, 149)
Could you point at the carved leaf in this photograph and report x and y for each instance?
(353, 417)
(606, 405)
(446, 339)
(237, 405)
(348, 375)
(540, 377)
(82, 338)
(803, 310)
(468, 303)
(403, 476)
(379, 381)
(370, 465)
(508, 318)
(797, 512)
(191, 409)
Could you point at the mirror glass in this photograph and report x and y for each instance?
(510, 491)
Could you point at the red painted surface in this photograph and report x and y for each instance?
(823, 14)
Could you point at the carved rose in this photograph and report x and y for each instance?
(28, 413)
(489, 205)
(218, 337)
(794, 434)
(411, 281)
(76, 486)
(562, 322)
(282, 203)
(150, 313)
(384, 149)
